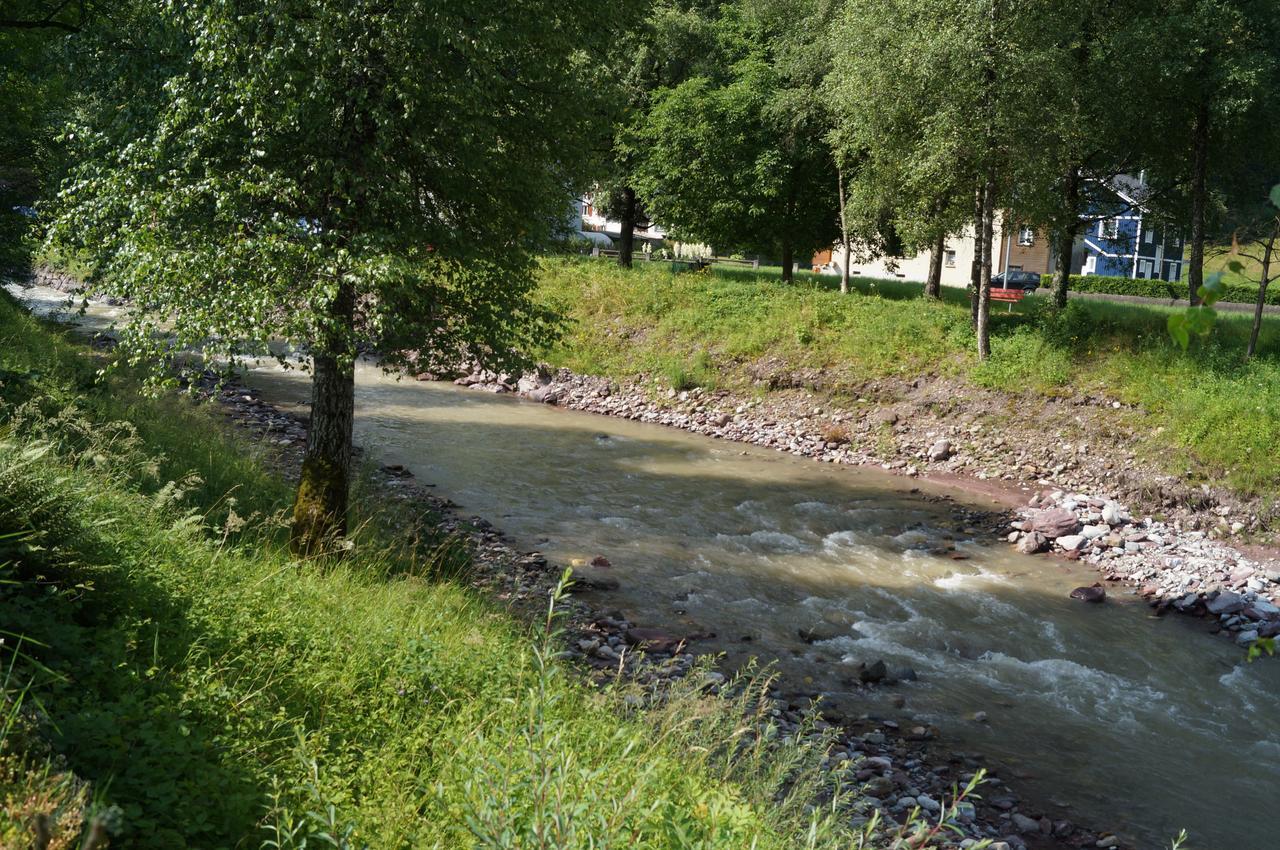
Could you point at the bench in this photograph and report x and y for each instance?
(1010, 296)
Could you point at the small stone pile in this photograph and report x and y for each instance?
(1174, 568)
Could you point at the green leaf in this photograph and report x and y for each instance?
(1213, 289)
(1178, 330)
(1200, 320)
(1236, 266)
(1275, 195)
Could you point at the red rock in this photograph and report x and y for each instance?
(1055, 522)
(600, 561)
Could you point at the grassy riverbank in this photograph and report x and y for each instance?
(1209, 415)
(175, 677)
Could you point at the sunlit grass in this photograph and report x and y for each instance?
(1210, 413)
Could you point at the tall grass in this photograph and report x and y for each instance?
(1208, 413)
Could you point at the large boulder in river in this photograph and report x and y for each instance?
(1055, 522)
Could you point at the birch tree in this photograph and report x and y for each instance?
(333, 174)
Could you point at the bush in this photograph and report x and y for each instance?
(1172, 290)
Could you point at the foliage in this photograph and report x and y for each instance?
(273, 156)
(734, 155)
(1169, 290)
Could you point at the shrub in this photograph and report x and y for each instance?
(1171, 290)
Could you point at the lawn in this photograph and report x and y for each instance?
(1211, 413)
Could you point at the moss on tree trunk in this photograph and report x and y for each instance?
(320, 508)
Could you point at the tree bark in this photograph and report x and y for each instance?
(844, 234)
(984, 279)
(1066, 236)
(933, 285)
(788, 259)
(1199, 192)
(1262, 294)
(975, 270)
(320, 507)
(628, 233)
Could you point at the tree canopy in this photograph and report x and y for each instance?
(332, 174)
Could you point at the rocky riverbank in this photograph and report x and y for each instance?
(1068, 497)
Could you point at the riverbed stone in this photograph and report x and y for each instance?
(1072, 542)
(1096, 593)
(1225, 602)
(1033, 542)
(874, 672)
(1112, 514)
(1024, 824)
(940, 450)
(1055, 522)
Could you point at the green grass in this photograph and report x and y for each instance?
(215, 693)
(1209, 412)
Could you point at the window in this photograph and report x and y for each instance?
(1090, 264)
(1109, 229)
(949, 259)
(1144, 268)
(1026, 236)
(1151, 236)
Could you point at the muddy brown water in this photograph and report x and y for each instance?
(1139, 725)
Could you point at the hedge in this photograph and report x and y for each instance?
(1169, 290)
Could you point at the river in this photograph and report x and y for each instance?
(1141, 725)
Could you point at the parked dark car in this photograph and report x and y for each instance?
(1026, 281)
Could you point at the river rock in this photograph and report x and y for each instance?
(1024, 824)
(1033, 542)
(878, 786)
(1054, 522)
(594, 578)
(821, 631)
(653, 639)
(875, 672)
(1095, 593)
(1072, 542)
(1225, 602)
(941, 450)
(1260, 609)
(1113, 514)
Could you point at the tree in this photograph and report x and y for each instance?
(1219, 64)
(333, 174)
(735, 156)
(939, 95)
(665, 48)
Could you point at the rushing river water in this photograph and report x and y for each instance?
(1141, 725)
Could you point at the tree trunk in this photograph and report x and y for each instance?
(628, 232)
(933, 285)
(1067, 237)
(844, 235)
(975, 270)
(788, 259)
(984, 280)
(320, 508)
(1262, 294)
(1199, 192)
